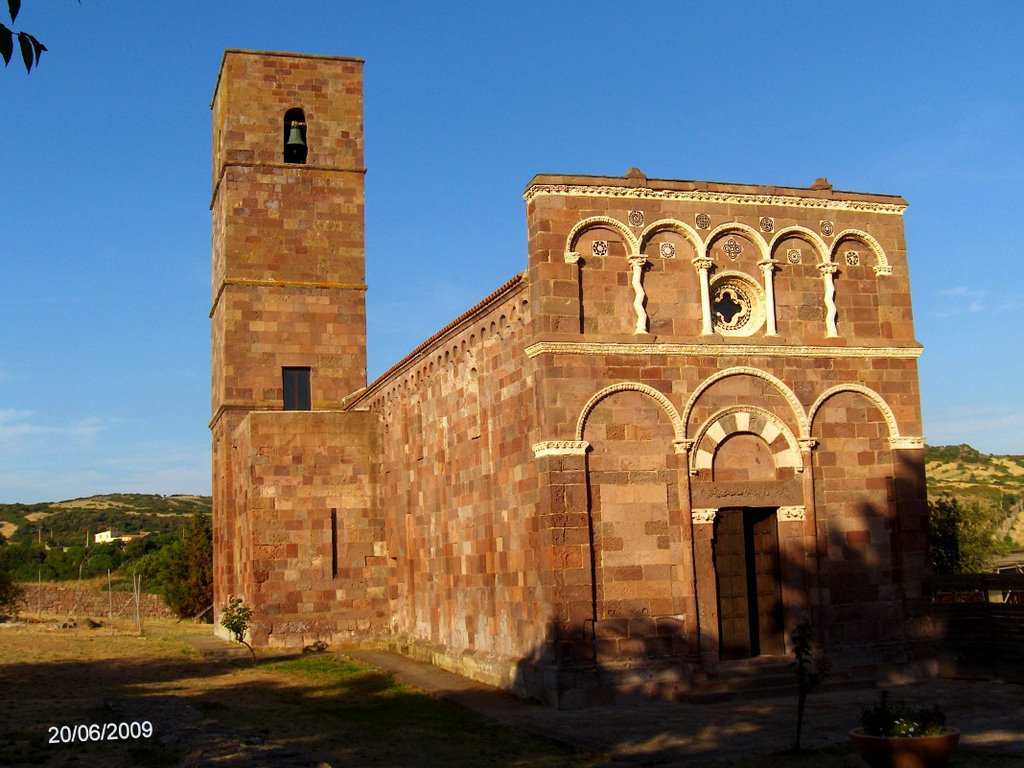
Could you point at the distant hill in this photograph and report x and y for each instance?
(967, 474)
(959, 471)
(68, 522)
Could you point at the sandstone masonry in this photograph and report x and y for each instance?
(691, 422)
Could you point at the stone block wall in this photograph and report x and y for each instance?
(310, 545)
(805, 409)
(459, 491)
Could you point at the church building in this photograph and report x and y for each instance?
(690, 421)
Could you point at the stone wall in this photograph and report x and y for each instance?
(458, 491)
(971, 626)
(91, 600)
(310, 546)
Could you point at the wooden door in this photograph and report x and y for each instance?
(746, 555)
(767, 585)
(731, 574)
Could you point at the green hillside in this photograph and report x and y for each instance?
(67, 523)
(966, 474)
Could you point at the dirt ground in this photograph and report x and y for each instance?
(178, 707)
(317, 711)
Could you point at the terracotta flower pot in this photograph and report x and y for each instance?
(905, 751)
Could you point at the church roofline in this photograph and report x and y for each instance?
(476, 310)
(636, 185)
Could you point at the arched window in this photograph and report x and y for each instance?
(295, 147)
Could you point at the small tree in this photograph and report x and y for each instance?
(811, 669)
(235, 618)
(12, 596)
(963, 536)
(189, 588)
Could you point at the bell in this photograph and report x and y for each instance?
(295, 136)
(295, 148)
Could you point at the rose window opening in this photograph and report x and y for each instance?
(731, 308)
(737, 306)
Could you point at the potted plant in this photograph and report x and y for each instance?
(894, 735)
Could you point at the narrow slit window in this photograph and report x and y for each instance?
(334, 543)
(295, 383)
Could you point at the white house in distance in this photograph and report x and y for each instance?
(105, 537)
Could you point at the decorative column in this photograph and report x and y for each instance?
(575, 259)
(794, 560)
(828, 269)
(707, 590)
(637, 262)
(684, 521)
(815, 538)
(768, 270)
(703, 266)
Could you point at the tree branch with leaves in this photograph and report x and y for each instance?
(31, 48)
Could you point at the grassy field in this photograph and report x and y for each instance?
(297, 711)
(317, 710)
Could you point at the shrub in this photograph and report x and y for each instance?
(235, 618)
(886, 718)
(12, 596)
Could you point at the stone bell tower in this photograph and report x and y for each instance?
(288, 297)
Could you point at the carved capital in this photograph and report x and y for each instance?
(792, 514)
(682, 446)
(703, 516)
(703, 263)
(768, 266)
(808, 443)
(637, 260)
(906, 442)
(560, 448)
(883, 270)
(572, 257)
(828, 268)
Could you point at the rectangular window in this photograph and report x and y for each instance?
(295, 382)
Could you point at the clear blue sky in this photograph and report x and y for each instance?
(104, 292)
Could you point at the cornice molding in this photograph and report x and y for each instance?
(513, 286)
(673, 349)
(282, 284)
(697, 196)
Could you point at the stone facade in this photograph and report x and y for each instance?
(691, 422)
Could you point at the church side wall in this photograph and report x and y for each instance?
(459, 494)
